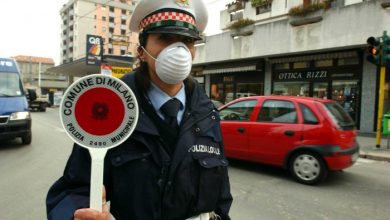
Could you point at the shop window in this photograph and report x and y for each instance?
(282, 66)
(278, 111)
(348, 61)
(346, 92)
(240, 111)
(249, 89)
(301, 65)
(308, 115)
(291, 88)
(323, 63)
(320, 90)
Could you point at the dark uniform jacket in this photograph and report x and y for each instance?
(143, 181)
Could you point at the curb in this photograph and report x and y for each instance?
(374, 156)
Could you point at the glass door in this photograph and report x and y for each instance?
(320, 90)
(346, 93)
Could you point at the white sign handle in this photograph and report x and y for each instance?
(97, 168)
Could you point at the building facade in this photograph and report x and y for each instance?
(318, 54)
(34, 74)
(106, 18)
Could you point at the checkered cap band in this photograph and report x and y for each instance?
(166, 16)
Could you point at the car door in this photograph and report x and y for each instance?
(277, 130)
(235, 125)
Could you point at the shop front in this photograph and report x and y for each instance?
(229, 86)
(338, 79)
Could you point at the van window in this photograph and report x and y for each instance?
(308, 115)
(239, 111)
(278, 111)
(10, 85)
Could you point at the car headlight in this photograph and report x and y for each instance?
(20, 116)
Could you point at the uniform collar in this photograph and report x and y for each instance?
(158, 97)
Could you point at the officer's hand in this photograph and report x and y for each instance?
(92, 214)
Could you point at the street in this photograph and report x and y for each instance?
(259, 191)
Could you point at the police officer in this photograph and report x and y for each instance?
(173, 166)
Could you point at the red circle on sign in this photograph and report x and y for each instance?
(99, 111)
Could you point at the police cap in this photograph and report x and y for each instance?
(182, 17)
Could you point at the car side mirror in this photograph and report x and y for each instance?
(31, 95)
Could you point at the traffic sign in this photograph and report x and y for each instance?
(98, 112)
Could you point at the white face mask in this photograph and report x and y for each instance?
(174, 63)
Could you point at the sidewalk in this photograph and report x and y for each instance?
(367, 143)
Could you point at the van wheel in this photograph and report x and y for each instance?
(308, 168)
(27, 139)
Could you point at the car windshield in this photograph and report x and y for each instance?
(10, 85)
(339, 115)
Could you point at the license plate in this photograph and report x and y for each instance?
(355, 156)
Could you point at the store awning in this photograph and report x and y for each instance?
(230, 69)
(322, 56)
(80, 68)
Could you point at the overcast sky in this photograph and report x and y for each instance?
(32, 27)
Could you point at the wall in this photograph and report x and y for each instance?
(341, 27)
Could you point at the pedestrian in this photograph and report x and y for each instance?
(173, 166)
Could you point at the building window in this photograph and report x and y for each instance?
(123, 21)
(112, 9)
(323, 63)
(237, 15)
(123, 32)
(124, 12)
(111, 30)
(301, 65)
(123, 52)
(111, 19)
(104, 18)
(348, 61)
(109, 51)
(104, 29)
(282, 66)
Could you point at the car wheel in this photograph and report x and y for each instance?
(308, 168)
(27, 139)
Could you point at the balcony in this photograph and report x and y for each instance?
(235, 6)
(306, 14)
(310, 18)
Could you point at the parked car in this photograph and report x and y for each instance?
(307, 136)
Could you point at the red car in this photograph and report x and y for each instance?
(307, 136)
